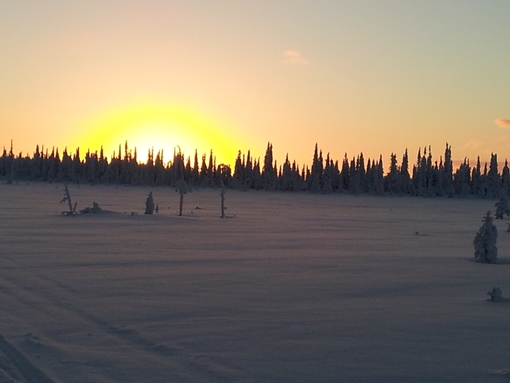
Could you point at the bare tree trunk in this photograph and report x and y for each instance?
(222, 200)
(67, 197)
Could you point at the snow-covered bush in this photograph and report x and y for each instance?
(485, 241)
(94, 209)
(502, 206)
(495, 294)
(149, 204)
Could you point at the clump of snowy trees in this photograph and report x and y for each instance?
(72, 207)
(485, 241)
(426, 177)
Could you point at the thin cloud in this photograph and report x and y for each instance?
(472, 144)
(502, 123)
(293, 57)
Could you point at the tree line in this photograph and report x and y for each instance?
(424, 177)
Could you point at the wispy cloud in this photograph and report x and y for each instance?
(472, 144)
(294, 58)
(502, 123)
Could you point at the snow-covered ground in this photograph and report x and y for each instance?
(292, 288)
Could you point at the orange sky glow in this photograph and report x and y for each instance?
(351, 76)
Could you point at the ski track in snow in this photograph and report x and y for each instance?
(15, 367)
(123, 337)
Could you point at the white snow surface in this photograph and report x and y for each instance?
(292, 288)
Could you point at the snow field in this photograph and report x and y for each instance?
(294, 288)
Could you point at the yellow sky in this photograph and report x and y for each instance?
(155, 125)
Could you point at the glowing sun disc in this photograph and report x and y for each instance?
(158, 127)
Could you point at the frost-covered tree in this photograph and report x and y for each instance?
(239, 171)
(223, 174)
(447, 172)
(485, 241)
(393, 176)
(182, 187)
(493, 179)
(405, 178)
(329, 176)
(462, 179)
(505, 177)
(268, 174)
(314, 181)
(149, 204)
(502, 206)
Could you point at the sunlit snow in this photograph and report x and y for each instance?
(289, 287)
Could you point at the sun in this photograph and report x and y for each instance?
(158, 127)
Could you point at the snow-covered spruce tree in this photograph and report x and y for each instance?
(149, 204)
(485, 241)
(502, 206)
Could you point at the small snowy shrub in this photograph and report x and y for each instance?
(485, 241)
(149, 204)
(495, 294)
(94, 209)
